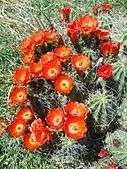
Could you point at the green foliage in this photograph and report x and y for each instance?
(13, 156)
(8, 60)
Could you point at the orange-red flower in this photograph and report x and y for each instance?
(37, 125)
(42, 134)
(26, 113)
(105, 6)
(26, 45)
(28, 57)
(30, 142)
(51, 70)
(49, 56)
(87, 24)
(36, 68)
(50, 37)
(18, 95)
(109, 48)
(65, 11)
(21, 76)
(64, 84)
(80, 62)
(38, 37)
(17, 128)
(63, 53)
(75, 128)
(77, 109)
(102, 33)
(105, 71)
(55, 118)
(59, 38)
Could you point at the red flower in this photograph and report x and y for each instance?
(30, 142)
(64, 84)
(75, 128)
(50, 37)
(65, 11)
(112, 166)
(103, 153)
(72, 25)
(80, 62)
(87, 24)
(42, 134)
(18, 95)
(55, 118)
(49, 56)
(105, 6)
(105, 71)
(36, 68)
(51, 70)
(21, 76)
(28, 57)
(17, 128)
(25, 113)
(76, 109)
(38, 37)
(63, 53)
(109, 48)
(73, 35)
(72, 32)
(102, 33)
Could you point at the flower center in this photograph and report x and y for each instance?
(57, 120)
(29, 57)
(19, 127)
(20, 95)
(105, 71)
(75, 112)
(73, 128)
(32, 140)
(52, 71)
(26, 115)
(64, 84)
(80, 63)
